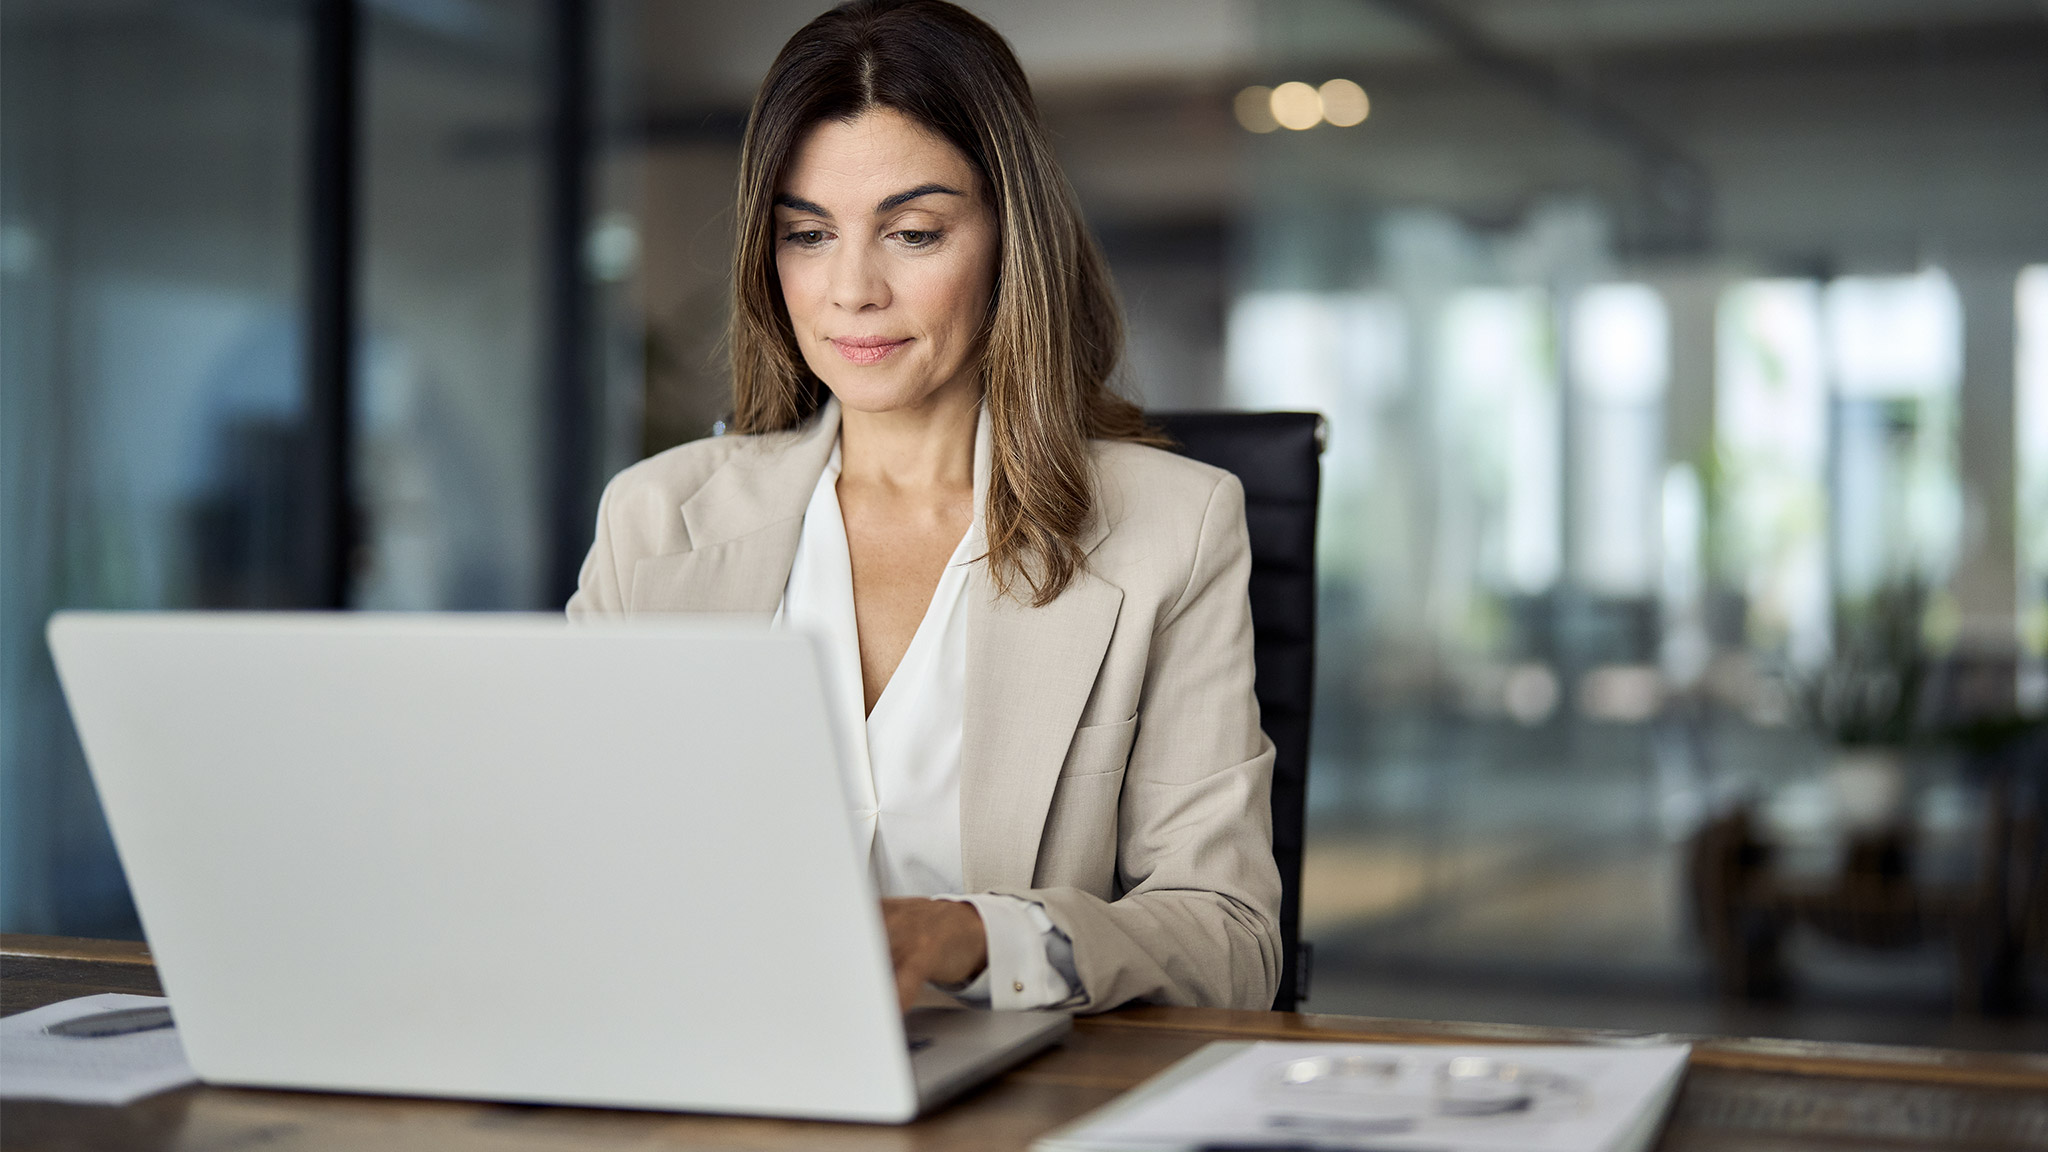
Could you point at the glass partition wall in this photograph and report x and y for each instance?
(282, 328)
(152, 394)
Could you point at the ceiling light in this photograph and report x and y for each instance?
(1254, 108)
(1296, 106)
(1344, 103)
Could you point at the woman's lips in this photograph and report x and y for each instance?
(867, 349)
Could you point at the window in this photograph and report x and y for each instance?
(1498, 398)
(1620, 362)
(1894, 345)
(2030, 512)
(1770, 431)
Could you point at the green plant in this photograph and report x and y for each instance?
(1869, 693)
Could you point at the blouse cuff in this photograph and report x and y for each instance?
(1030, 961)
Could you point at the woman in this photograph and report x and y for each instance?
(1039, 623)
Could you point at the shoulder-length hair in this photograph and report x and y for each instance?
(1054, 332)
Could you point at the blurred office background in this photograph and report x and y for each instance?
(1685, 525)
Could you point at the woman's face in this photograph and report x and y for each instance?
(886, 249)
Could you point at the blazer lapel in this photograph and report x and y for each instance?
(1029, 673)
(744, 575)
(743, 525)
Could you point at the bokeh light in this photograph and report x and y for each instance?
(1254, 108)
(1344, 103)
(1296, 106)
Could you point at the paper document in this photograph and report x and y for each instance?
(36, 1064)
(1392, 1097)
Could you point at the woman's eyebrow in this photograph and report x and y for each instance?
(902, 198)
(799, 204)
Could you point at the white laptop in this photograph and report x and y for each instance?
(505, 858)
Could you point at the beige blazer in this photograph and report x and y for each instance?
(1112, 766)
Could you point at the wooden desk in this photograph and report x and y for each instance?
(1755, 1095)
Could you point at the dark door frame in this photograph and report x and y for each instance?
(333, 308)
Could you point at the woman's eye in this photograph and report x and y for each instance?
(809, 238)
(918, 238)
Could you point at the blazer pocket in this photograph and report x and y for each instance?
(1099, 749)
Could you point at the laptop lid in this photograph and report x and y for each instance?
(494, 857)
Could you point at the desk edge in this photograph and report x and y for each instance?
(75, 948)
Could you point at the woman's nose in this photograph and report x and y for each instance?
(858, 283)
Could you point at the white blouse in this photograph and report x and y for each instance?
(903, 767)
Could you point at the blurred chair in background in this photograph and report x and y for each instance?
(1883, 897)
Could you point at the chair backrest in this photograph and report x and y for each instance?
(1276, 455)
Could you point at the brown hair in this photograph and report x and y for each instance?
(1054, 332)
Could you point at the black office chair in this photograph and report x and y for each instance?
(1276, 455)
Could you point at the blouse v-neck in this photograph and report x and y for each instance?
(904, 764)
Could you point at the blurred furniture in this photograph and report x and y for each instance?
(1276, 456)
(1996, 921)
(1738, 1095)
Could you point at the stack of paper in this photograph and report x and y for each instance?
(1490, 1098)
(113, 1069)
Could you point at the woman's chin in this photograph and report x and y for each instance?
(878, 397)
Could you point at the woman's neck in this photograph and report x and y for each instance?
(928, 448)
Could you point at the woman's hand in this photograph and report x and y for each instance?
(940, 941)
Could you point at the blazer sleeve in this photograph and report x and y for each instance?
(1198, 919)
(599, 591)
